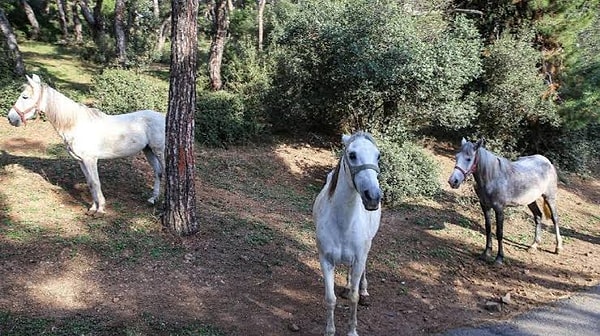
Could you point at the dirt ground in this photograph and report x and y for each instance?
(253, 267)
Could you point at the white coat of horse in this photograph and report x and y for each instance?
(347, 213)
(90, 134)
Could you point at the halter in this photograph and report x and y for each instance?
(356, 169)
(471, 170)
(35, 106)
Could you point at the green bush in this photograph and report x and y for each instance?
(119, 91)
(406, 172)
(222, 119)
(9, 84)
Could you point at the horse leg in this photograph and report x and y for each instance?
(90, 170)
(364, 294)
(328, 278)
(537, 216)
(156, 167)
(358, 270)
(499, 234)
(88, 181)
(551, 204)
(487, 252)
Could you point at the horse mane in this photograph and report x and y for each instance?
(334, 178)
(64, 113)
(336, 170)
(492, 165)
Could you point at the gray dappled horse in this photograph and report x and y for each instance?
(90, 135)
(501, 183)
(347, 212)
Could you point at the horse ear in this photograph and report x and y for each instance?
(345, 138)
(480, 143)
(34, 79)
(463, 141)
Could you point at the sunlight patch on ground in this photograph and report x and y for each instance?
(298, 163)
(67, 290)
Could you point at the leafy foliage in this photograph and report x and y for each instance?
(222, 119)
(406, 172)
(9, 85)
(359, 64)
(511, 97)
(119, 91)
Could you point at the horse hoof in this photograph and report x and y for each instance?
(364, 300)
(151, 200)
(344, 293)
(533, 248)
(498, 262)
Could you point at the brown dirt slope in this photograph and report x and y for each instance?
(253, 269)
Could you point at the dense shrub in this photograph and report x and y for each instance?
(364, 64)
(9, 84)
(119, 91)
(222, 119)
(406, 172)
(511, 106)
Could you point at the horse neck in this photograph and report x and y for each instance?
(343, 191)
(488, 166)
(62, 112)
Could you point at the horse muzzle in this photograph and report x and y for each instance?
(371, 199)
(14, 119)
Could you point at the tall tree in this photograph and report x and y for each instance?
(180, 191)
(62, 16)
(261, 10)
(77, 28)
(121, 45)
(35, 26)
(11, 42)
(220, 17)
(94, 20)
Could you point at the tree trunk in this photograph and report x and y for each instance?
(11, 42)
(217, 46)
(156, 9)
(77, 28)
(180, 191)
(121, 46)
(163, 31)
(35, 26)
(94, 20)
(261, 10)
(62, 18)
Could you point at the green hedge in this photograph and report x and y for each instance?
(119, 91)
(407, 171)
(223, 118)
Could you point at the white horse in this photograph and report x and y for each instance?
(347, 213)
(91, 135)
(500, 183)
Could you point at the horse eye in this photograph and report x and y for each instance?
(378, 157)
(468, 159)
(352, 156)
(25, 97)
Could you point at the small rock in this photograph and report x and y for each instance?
(293, 327)
(506, 299)
(116, 299)
(493, 307)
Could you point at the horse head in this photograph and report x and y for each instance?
(466, 162)
(361, 156)
(28, 104)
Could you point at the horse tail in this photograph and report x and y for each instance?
(547, 210)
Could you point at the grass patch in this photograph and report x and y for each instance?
(19, 325)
